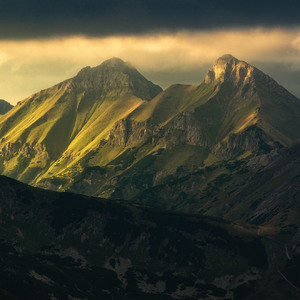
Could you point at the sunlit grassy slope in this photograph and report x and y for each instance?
(172, 101)
(69, 119)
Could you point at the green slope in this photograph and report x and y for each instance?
(173, 101)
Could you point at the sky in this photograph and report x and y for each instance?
(168, 41)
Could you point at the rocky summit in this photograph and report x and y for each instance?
(228, 68)
(115, 75)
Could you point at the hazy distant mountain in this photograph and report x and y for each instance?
(101, 134)
(4, 107)
(67, 246)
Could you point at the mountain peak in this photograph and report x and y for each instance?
(114, 62)
(115, 75)
(227, 67)
(226, 58)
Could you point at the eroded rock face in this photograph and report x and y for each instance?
(126, 132)
(249, 140)
(228, 67)
(26, 149)
(16, 157)
(184, 129)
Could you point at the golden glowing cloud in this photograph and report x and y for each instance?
(29, 65)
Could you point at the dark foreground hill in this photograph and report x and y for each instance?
(66, 246)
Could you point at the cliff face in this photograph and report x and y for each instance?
(126, 132)
(184, 129)
(252, 139)
(228, 68)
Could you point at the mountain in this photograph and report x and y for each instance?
(226, 148)
(101, 133)
(4, 107)
(67, 246)
(64, 122)
(236, 112)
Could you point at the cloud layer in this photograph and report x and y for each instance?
(21, 19)
(27, 66)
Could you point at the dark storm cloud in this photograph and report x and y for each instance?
(42, 18)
